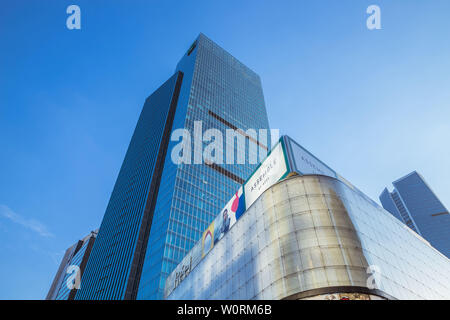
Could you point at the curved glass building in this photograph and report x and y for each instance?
(310, 234)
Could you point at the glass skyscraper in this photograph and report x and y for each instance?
(414, 203)
(158, 208)
(77, 255)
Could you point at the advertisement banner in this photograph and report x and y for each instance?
(223, 222)
(271, 170)
(229, 215)
(307, 163)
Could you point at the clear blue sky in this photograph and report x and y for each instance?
(374, 105)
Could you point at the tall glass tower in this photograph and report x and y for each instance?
(159, 208)
(76, 256)
(414, 203)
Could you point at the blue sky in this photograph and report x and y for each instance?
(373, 105)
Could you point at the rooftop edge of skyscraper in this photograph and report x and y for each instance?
(223, 54)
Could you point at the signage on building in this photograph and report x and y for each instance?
(183, 272)
(306, 163)
(223, 222)
(271, 170)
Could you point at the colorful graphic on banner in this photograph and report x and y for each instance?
(208, 239)
(229, 215)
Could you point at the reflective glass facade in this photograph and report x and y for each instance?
(113, 267)
(420, 209)
(64, 291)
(315, 236)
(387, 200)
(308, 233)
(223, 94)
(76, 255)
(159, 208)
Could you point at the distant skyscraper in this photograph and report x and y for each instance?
(77, 255)
(158, 208)
(414, 203)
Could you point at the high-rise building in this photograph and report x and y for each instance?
(74, 260)
(159, 207)
(297, 230)
(414, 203)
